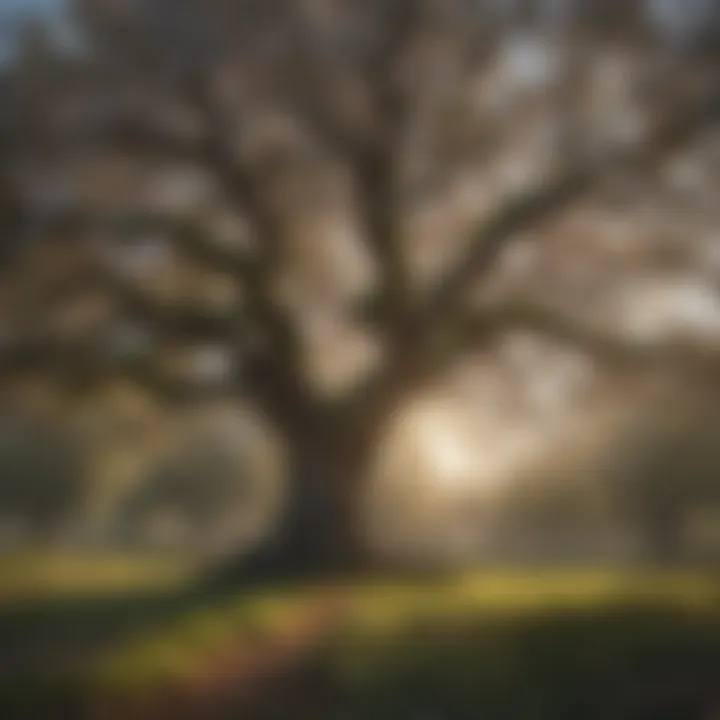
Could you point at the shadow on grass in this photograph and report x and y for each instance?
(627, 663)
(44, 643)
(631, 659)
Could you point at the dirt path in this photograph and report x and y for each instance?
(240, 672)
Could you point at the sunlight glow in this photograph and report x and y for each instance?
(446, 453)
(449, 457)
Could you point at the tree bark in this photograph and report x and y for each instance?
(319, 532)
(330, 450)
(664, 537)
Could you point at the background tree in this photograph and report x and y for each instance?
(319, 207)
(662, 472)
(42, 478)
(217, 484)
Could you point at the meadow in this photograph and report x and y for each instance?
(133, 638)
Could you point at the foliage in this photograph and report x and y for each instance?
(42, 478)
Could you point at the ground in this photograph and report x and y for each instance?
(144, 642)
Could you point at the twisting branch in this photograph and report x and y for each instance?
(210, 149)
(82, 366)
(541, 204)
(553, 323)
(372, 150)
(377, 165)
(614, 349)
(439, 330)
(274, 369)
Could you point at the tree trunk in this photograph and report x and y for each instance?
(330, 453)
(665, 537)
(319, 531)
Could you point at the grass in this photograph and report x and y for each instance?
(526, 644)
(29, 575)
(571, 645)
(505, 644)
(57, 609)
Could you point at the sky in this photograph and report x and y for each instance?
(14, 13)
(678, 18)
(13, 9)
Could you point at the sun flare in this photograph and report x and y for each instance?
(444, 448)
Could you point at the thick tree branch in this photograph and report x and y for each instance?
(371, 144)
(376, 166)
(82, 366)
(211, 149)
(615, 350)
(188, 234)
(277, 372)
(546, 202)
(551, 323)
(181, 317)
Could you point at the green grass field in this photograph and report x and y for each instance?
(492, 644)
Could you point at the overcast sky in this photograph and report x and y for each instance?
(13, 13)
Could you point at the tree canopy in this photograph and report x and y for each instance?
(320, 207)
